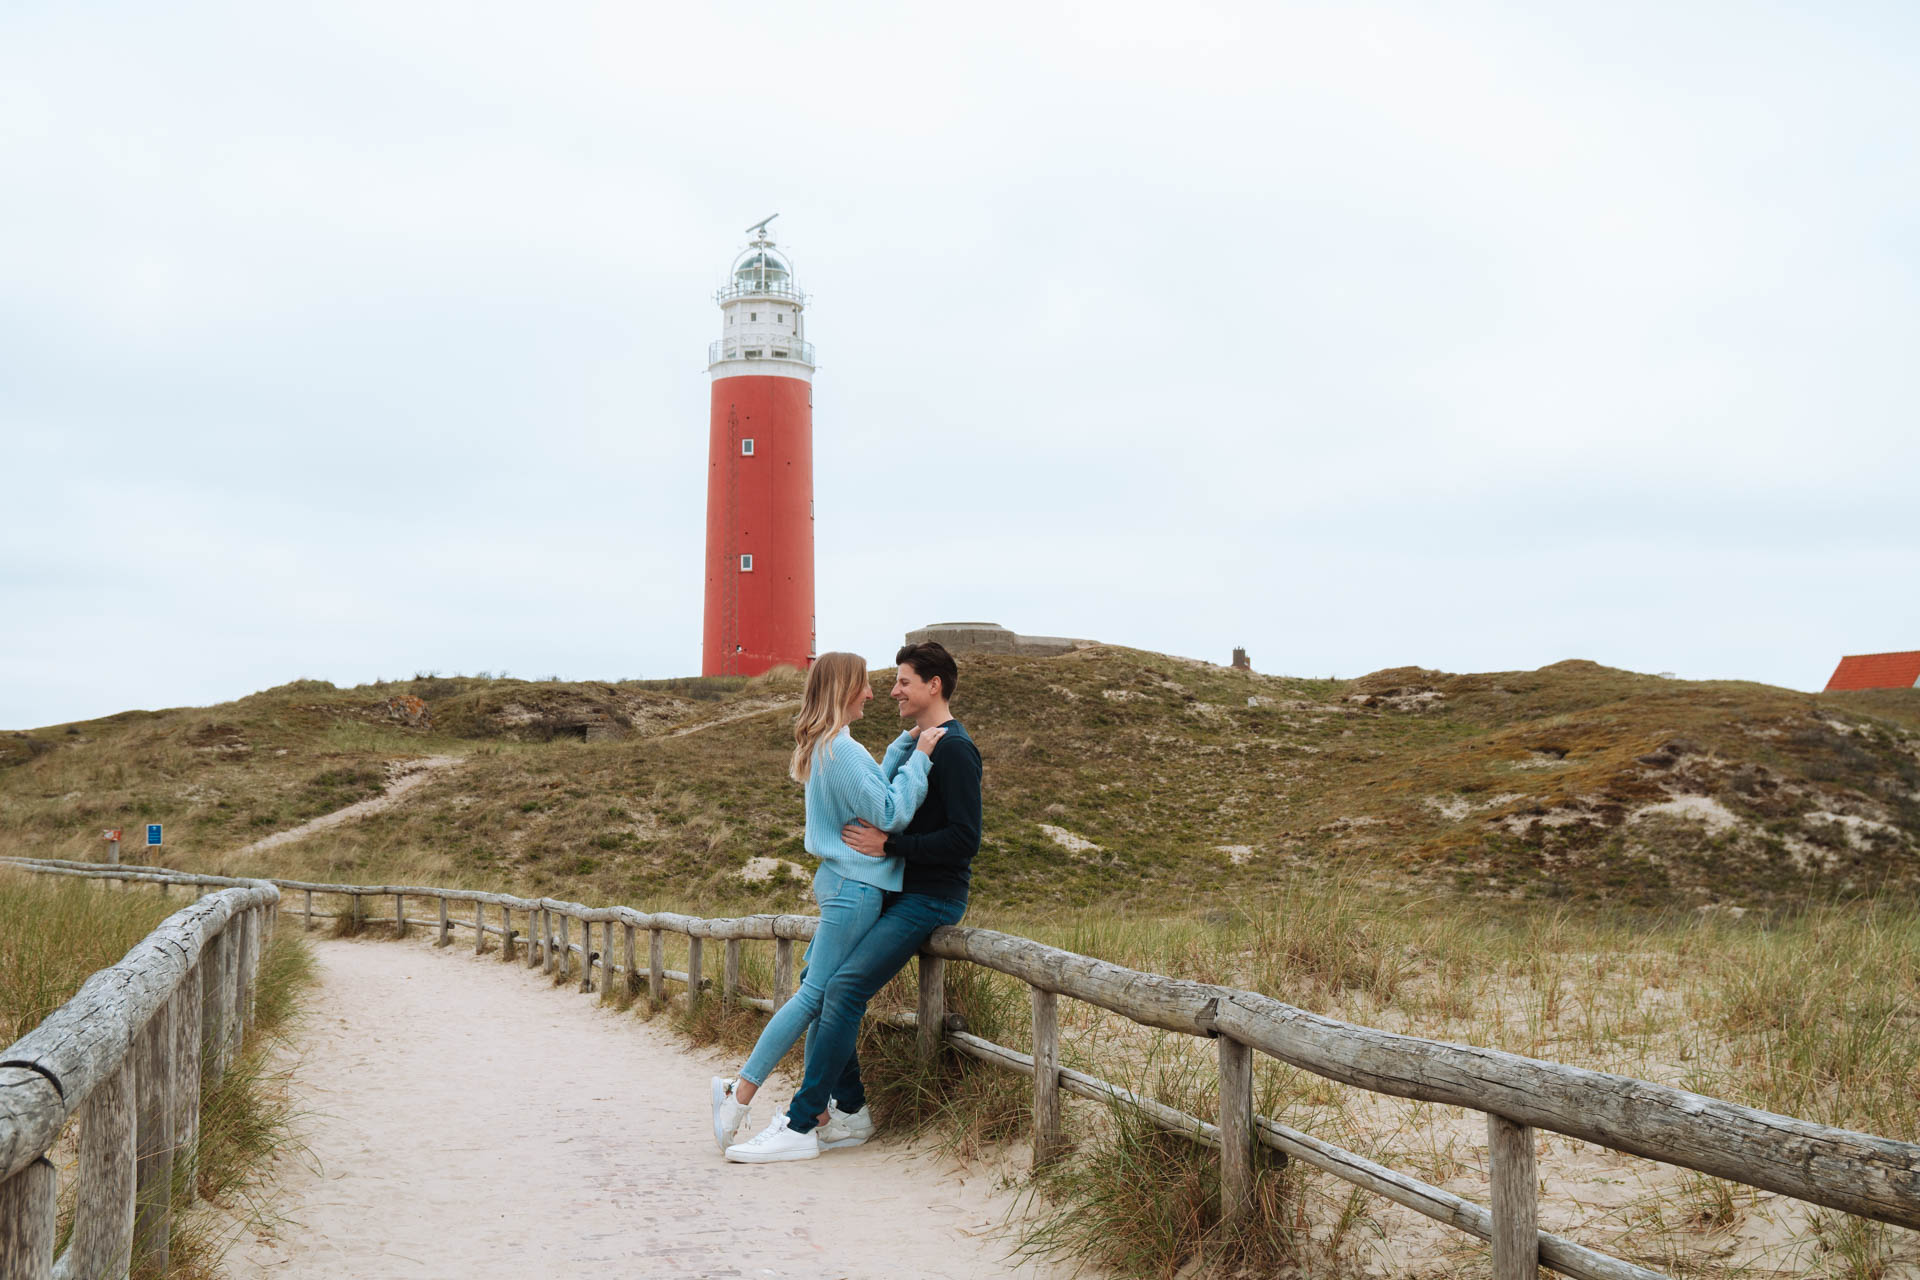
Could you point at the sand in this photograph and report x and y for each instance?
(463, 1114)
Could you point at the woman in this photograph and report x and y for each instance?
(843, 783)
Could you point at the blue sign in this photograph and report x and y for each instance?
(153, 834)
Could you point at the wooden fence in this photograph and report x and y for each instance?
(1861, 1174)
(130, 1054)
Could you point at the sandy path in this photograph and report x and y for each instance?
(767, 708)
(464, 1114)
(404, 776)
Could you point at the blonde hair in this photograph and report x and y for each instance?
(824, 708)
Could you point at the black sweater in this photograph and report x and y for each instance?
(940, 842)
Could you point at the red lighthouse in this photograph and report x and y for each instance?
(760, 471)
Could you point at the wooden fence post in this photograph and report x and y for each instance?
(932, 1013)
(633, 968)
(656, 966)
(546, 940)
(606, 959)
(1047, 1142)
(693, 970)
(230, 1028)
(237, 992)
(250, 969)
(480, 927)
(359, 913)
(153, 1079)
(102, 1241)
(442, 940)
(1236, 1129)
(782, 971)
(210, 1012)
(566, 946)
(213, 1013)
(191, 1003)
(506, 935)
(28, 1222)
(730, 973)
(586, 957)
(399, 915)
(1516, 1228)
(236, 984)
(533, 937)
(309, 911)
(262, 935)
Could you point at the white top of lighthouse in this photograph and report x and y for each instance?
(763, 325)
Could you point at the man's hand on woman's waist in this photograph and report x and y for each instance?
(863, 837)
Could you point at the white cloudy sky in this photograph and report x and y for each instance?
(372, 340)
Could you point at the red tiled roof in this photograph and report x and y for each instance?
(1877, 671)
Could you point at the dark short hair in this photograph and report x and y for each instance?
(930, 660)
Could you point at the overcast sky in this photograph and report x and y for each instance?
(369, 341)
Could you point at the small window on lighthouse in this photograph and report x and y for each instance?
(783, 317)
(753, 315)
(746, 564)
(746, 447)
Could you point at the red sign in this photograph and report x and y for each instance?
(111, 833)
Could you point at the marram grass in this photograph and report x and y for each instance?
(55, 932)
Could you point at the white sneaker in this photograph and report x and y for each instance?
(729, 1117)
(843, 1129)
(773, 1143)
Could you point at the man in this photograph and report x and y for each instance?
(938, 847)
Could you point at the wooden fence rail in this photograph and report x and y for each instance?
(130, 1054)
(1862, 1174)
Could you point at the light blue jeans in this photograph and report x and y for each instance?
(848, 909)
(833, 1067)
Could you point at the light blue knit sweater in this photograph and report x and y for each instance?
(843, 784)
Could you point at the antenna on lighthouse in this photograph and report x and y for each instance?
(759, 229)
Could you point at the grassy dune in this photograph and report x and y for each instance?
(1706, 884)
(1112, 775)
